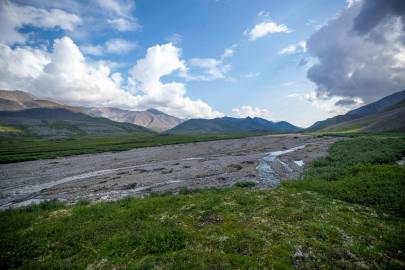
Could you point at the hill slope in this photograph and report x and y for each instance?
(20, 100)
(64, 123)
(152, 119)
(232, 125)
(380, 106)
(391, 120)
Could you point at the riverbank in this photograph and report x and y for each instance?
(138, 172)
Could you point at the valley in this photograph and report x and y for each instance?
(111, 176)
(177, 135)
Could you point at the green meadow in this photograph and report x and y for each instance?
(23, 148)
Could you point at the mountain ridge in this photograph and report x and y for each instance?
(230, 124)
(367, 110)
(153, 119)
(63, 123)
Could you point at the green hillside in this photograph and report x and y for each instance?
(370, 118)
(232, 125)
(391, 120)
(62, 123)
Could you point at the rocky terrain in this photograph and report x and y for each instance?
(151, 119)
(266, 160)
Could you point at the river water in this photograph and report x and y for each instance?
(265, 168)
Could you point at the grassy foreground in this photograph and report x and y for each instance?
(345, 214)
(22, 148)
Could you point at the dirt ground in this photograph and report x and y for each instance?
(111, 176)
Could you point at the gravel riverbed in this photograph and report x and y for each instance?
(266, 160)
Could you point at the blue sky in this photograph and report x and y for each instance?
(189, 58)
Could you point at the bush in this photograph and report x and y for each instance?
(245, 184)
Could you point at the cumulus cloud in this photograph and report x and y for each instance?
(14, 16)
(21, 66)
(374, 12)
(330, 105)
(265, 28)
(120, 46)
(70, 78)
(364, 54)
(64, 74)
(248, 111)
(162, 60)
(299, 47)
(114, 46)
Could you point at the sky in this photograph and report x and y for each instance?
(295, 60)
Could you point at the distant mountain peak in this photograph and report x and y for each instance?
(151, 118)
(231, 125)
(154, 111)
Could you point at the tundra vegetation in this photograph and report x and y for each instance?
(15, 148)
(345, 212)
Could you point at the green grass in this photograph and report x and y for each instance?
(361, 171)
(344, 214)
(8, 129)
(16, 149)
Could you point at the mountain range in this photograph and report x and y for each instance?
(63, 123)
(151, 119)
(51, 118)
(20, 100)
(230, 124)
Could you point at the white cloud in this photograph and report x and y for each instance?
(115, 46)
(330, 105)
(70, 78)
(120, 12)
(265, 28)
(125, 25)
(97, 50)
(363, 54)
(14, 16)
(229, 52)
(162, 60)
(210, 68)
(19, 67)
(120, 46)
(300, 47)
(120, 8)
(65, 75)
(248, 111)
(176, 39)
(351, 3)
